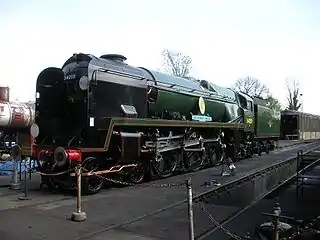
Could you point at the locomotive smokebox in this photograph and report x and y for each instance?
(4, 94)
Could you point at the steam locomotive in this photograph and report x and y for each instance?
(16, 119)
(134, 123)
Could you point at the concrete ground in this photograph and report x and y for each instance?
(119, 213)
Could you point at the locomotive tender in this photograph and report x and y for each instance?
(134, 123)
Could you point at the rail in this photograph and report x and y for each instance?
(273, 189)
(251, 175)
(202, 197)
(303, 165)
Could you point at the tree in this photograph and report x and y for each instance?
(177, 64)
(293, 97)
(274, 105)
(252, 86)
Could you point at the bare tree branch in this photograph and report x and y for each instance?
(177, 64)
(293, 97)
(252, 87)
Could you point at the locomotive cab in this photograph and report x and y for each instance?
(246, 103)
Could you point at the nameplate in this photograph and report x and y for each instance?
(201, 118)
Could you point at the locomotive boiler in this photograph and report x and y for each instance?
(16, 119)
(134, 123)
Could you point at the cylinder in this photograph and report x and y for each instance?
(4, 94)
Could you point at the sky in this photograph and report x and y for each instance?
(271, 40)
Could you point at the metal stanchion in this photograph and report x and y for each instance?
(275, 220)
(190, 210)
(299, 153)
(25, 197)
(78, 216)
(16, 155)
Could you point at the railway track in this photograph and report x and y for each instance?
(9, 193)
(313, 157)
(133, 209)
(175, 215)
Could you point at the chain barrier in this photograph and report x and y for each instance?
(163, 185)
(215, 222)
(310, 225)
(54, 174)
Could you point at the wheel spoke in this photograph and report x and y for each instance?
(137, 174)
(91, 184)
(164, 165)
(194, 161)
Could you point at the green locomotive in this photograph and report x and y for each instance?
(134, 123)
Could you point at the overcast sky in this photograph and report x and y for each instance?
(270, 40)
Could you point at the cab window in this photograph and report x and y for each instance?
(250, 106)
(242, 101)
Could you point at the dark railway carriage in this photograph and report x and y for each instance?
(299, 125)
(133, 122)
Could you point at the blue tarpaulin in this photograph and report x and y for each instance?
(6, 167)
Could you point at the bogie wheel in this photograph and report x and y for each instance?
(137, 174)
(91, 184)
(49, 181)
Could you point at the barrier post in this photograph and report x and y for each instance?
(297, 173)
(16, 155)
(78, 216)
(25, 197)
(276, 220)
(190, 210)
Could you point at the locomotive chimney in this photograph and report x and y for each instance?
(114, 57)
(4, 94)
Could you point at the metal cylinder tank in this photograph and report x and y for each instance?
(4, 94)
(16, 115)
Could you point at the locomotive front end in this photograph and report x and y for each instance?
(61, 118)
(74, 120)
